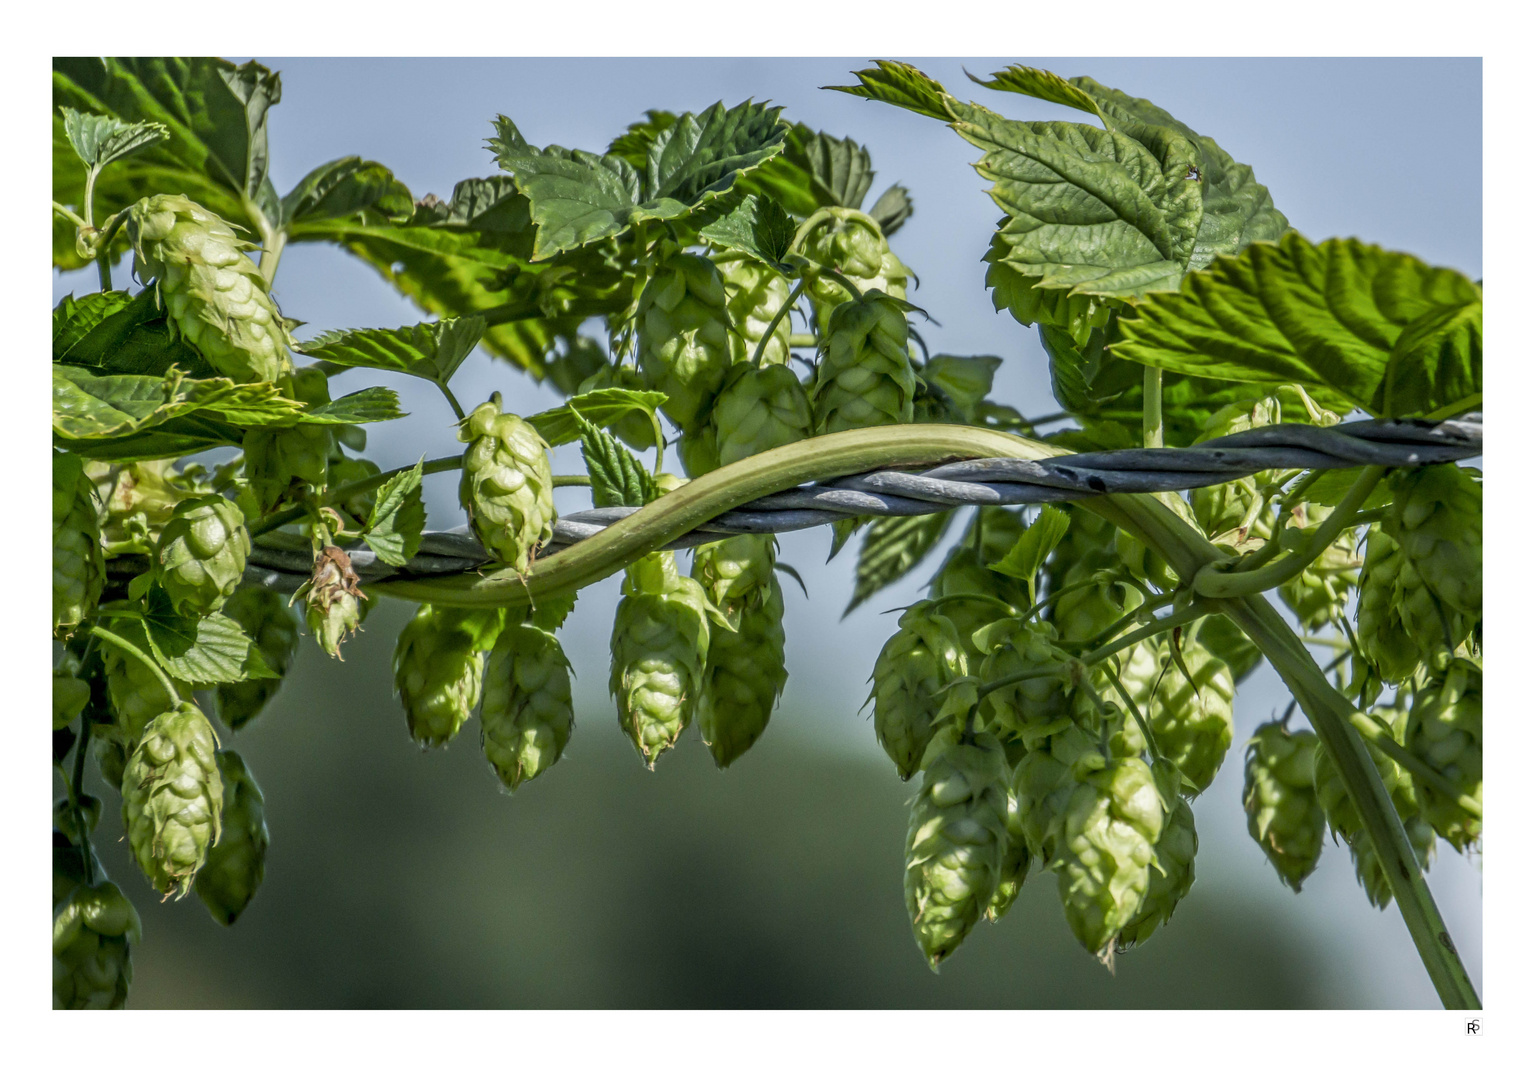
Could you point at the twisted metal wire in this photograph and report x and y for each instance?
(284, 560)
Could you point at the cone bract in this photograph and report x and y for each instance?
(173, 798)
(853, 244)
(1399, 622)
(1279, 795)
(865, 377)
(94, 929)
(920, 658)
(237, 863)
(334, 606)
(438, 671)
(526, 716)
(744, 678)
(1017, 860)
(79, 570)
(506, 485)
(754, 294)
(759, 409)
(1171, 878)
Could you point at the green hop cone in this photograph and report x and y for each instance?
(1017, 860)
(736, 572)
(173, 798)
(526, 717)
(851, 243)
(1192, 721)
(506, 485)
(1031, 708)
(865, 377)
(276, 458)
(753, 295)
(79, 570)
(1279, 795)
(1107, 844)
(1444, 730)
(1435, 517)
(922, 657)
(438, 673)
(213, 293)
(94, 929)
(334, 606)
(759, 409)
(269, 621)
(201, 555)
(660, 647)
(137, 499)
(1172, 875)
(744, 677)
(1399, 623)
(684, 336)
(699, 451)
(1085, 574)
(956, 840)
(1343, 817)
(965, 572)
(237, 863)
(1222, 637)
(1043, 782)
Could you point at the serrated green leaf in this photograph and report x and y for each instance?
(842, 531)
(1331, 316)
(74, 319)
(603, 408)
(552, 611)
(618, 479)
(203, 652)
(903, 85)
(135, 338)
(699, 156)
(101, 140)
(370, 406)
(87, 406)
(892, 547)
(345, 187)
(1034, 547)
(431, 351)
(635, 143)
(891, 209)
(176, 438)
(757, 225)
(575, 197)
(399, 515)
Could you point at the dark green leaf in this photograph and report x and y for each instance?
(552, 611)
(87, 406)
(699, 156)
(1330, 316)
(176, 438)
(635, 143)
(891, 548)
(575, 197)
(432, 351)
(344, 187)
(204, 652)
(74, 319)
(399, 515)
(1034, 547)
(369, 406)
(891, 209)
(603, 408)
(101, 140)
(617, 478)
(758, 225)
(901, 84)
(135, 338)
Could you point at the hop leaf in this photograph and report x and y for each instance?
(527, 715)
(94, 929)
(237, 863)
(173, 797)
(865, 377)
(922, 657)
(956, 840)
(438, 671)
(1279, 795)
(78, 568)
(684, 336)
(201, 555)
(506, 485)
(269, 621)
(214, 294)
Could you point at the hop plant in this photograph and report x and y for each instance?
(173, 797)
(237, 862)
(1435, 517)
(1399, 622)
(78, 568)
(1191, 721)
(1172, 875)
(201, 555)
(334, 605)
(956, 840)
(506, 486)
(660, 646)
(94, 930)
(865, 377)
(735, 572)
(277, 458)
(684, 336)
(1231, 513)
(1279, 795)
(527, 717)
(758, 409)
(754, 294)
(137, 499)
(269, 621)
(853, 244)
(1030, 708)
(922, 657)
(215, 296)
(438, 672)
(1444, 729)
(744, 677)
(1107, 845)
(1086, 579)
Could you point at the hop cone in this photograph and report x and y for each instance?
(64, 820)
(759, 409)
(237, 863)
(173, 797)
(1031, 708)
(276, 458)
(78, 568)
(213, 293)
(1192, 721)
(865, 377)
(1043, 783)
(966, 570)
(1107, 841)
(955, 841)
(699, 451)
(1445, 731)
(438, 669)
(201, 554)
(753, 295)
(269, 621)
(1223, 638)
(506, 486)
(922, 656)
(1224, 510)
(660, 646)
(137, 500)
(94, 928)
(1016, 862)
(527, 716)
(1279, 794)
(735, 572)
(684, 338)
(1343, 817)
(334, 607)
(853, 244)
(1436, 519)
(1086, 601)
(1318, 595)
(1171, 878)
(744, 677)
